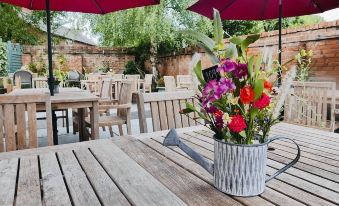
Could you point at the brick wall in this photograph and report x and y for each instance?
(79, 56)
(322, 38)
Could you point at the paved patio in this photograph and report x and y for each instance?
(65, 138)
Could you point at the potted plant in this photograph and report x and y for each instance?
(237, 106)
(9, 85)
(3, 90)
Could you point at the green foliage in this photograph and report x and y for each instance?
(3, 59)
(161, 82)
(304, 59)
(21, 27)
(132, 68)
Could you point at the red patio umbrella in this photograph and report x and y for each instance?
(84, 6)
(262, 10)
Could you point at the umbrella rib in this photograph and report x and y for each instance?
(317, 5)
(227, 5)
(98, 6)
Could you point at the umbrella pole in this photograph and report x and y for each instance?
(279, 50)
(50, 70)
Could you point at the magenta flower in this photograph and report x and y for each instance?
(240, 71)
(226, 66)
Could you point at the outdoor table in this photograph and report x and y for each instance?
(72, 98)
(140, 171)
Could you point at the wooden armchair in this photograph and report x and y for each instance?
(147, 83)
(134, 78)
(123, 106)
(185, 81)
(170, 85)
(311, 104)
(15, 132)
(165, 107)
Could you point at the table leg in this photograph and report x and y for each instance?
(95, 120)
(81, 124)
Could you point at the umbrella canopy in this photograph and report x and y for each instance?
(83, 6)
(261, 9)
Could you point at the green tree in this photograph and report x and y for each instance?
(157, 26)
(22, 27)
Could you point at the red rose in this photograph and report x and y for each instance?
(268, 85)
(263, 102)
(237, 123)
(246, 95)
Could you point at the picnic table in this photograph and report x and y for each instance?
(72, 98)
(138, 170)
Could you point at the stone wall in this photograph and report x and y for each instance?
(78, 56)
(322, 38)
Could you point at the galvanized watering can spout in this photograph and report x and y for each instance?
(172, 139)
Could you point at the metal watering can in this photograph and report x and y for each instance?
(238, 170)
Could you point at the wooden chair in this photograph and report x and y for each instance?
(117, 76)
(170, 85)
(165, 107)
(185, 81)
(147, 83)
(308, 104)
(40, 82)
(123, 106)
(134, 78)
(14, 110)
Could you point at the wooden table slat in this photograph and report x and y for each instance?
(28, 192)
(105, 188)
(79, 187)
(8, 174)
(131, 178)
(54, 189)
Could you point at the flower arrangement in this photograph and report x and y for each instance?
(238, 106)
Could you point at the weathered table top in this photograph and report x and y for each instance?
(66, 95)
(140, 171)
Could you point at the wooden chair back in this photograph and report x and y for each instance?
(14, 110)
(169, 83)
(117, 76)
(148, 79)
(40, 82)
(311, 104)
(125, 97)
(106, 89)
(165, 107)
(135, 82)
(185, 81)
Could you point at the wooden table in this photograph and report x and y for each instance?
(140, 171)
(74, 98)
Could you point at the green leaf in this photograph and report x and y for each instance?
(250, 66)
(230, 51)
(253, 112)
(258, 88)
(236, 40)
(257, 65)
(214, 59)
(198, 73)
(249, 40)
(200, 37)
(218, 30)
(243, 134)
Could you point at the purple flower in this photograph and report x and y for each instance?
(227, 83)
(211, 109)
(226, 66)
(240, 71)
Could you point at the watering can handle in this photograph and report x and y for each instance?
(289, 164)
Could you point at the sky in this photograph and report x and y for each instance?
(330, 15)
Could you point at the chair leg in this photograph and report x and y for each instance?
(121, 132)
(75, 123)
(129, 129)
(111, 131)
(67, 121)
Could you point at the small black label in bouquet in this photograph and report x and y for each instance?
(211, 73)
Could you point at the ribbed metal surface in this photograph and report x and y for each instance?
(239, 170)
